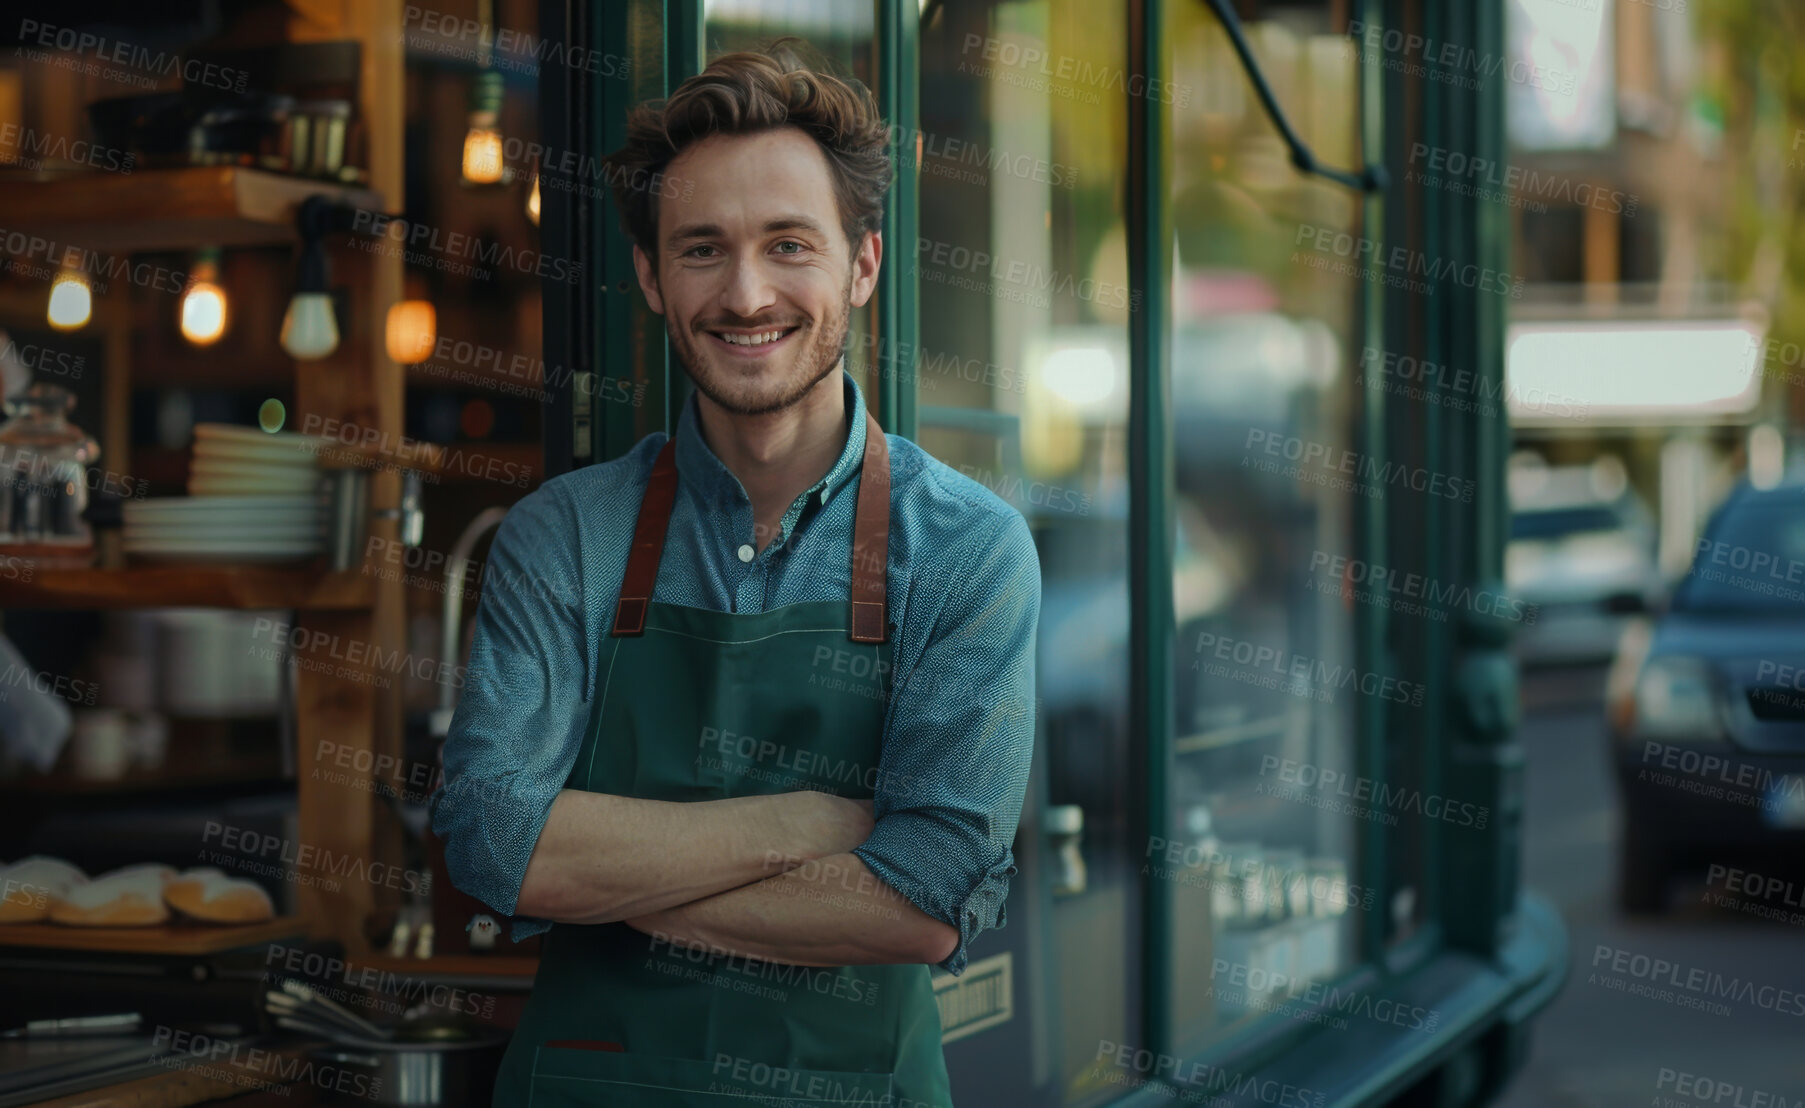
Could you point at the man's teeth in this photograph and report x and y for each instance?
(753, 340)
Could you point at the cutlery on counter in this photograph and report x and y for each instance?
(122, 1024)
(298, 1004)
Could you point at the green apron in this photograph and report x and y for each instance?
(700, 705)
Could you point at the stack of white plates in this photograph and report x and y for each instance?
(245, 461)
(225, 528)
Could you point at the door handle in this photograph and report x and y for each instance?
(1065, 828)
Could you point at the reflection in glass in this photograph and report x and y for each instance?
(1260, 852)
(1022, 382)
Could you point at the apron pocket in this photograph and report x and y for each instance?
(565, 1077)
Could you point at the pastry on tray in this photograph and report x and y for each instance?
(129, 897)
(208, 894)
(158, 868)
(28, 886)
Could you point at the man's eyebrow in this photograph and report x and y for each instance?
(693, 231)
(794, 223)
(688, 231)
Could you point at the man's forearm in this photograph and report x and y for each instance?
(834, 912)
(602, 858)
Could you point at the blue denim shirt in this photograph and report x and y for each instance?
(964, 592)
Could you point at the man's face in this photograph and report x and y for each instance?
(754, 277)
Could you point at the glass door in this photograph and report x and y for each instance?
(1021, 383)
(1261, 852)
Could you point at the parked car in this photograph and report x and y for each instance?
(1582, 552)
(1708, 706)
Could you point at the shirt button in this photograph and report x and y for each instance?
(747, 553)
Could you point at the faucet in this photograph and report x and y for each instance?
(452, 615)
(428, 915)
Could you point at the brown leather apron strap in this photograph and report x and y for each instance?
(870, 541)
(871, 538)
(648, 543)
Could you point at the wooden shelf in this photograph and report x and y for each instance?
(60, 786)
(455, 965)
(169, 938)
(189, 587)
(240, 753)
(166, 209)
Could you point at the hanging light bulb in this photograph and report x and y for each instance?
(411, 331)
(532, 201)
(309, 329)
(482, 154)
(482, 143)
(203, 313)
(71, 301)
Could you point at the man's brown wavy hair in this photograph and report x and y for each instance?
(745, 93)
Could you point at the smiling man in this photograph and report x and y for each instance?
(761, 767)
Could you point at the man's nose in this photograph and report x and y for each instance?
(748, 291)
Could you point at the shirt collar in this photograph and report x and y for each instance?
(702, 471)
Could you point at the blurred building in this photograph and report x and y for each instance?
(1650, 333)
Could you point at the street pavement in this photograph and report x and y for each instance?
(1622, 1033)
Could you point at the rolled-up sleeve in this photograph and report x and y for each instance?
(959, 739)
(520, 716)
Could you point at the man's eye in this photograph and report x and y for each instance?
(799, 248)
(696, 251)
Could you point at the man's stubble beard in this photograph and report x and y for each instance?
(819, 359)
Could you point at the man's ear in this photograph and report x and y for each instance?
(864, 267)
(648, 279)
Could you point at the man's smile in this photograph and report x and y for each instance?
(752, 343)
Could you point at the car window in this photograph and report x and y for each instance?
(1752, 559)
(1556, 523)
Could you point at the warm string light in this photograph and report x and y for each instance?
(411, 331)
(204, 310)
(482, 154)
(71, 301)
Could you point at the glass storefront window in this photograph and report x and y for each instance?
(838, 30)
(1021, 378)
(1261, 851)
